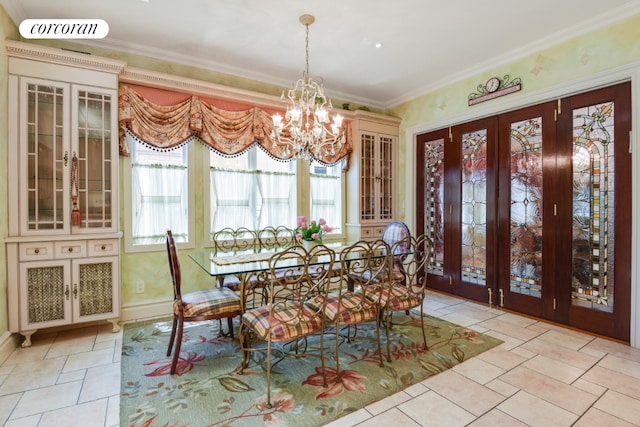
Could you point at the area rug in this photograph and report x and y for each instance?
(208, 390)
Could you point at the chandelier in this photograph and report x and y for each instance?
(305, 131)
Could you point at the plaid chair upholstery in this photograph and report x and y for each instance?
(396, 297)
(394, 232)
(349, 310)
(209, 304)
(283, 324)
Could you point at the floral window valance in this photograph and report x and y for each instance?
(171, 119)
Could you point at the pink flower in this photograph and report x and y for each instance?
(314, 236)
(326, 229)
(302, 221)
(298, 237)
(321, 221)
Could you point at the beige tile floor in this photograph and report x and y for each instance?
(542, 375)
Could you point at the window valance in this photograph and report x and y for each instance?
(165, 120)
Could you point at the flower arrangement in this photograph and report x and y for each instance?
(311, 232)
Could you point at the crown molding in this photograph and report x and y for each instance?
(51, 55)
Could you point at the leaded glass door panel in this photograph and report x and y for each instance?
(457, 202)
(527, 208)
(596, 210)
(473, 210)
(432, 207)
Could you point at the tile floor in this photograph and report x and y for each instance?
(543, 375)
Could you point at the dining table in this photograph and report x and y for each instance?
(252, 264)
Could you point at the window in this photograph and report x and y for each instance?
(326, 193)
(251, 190)
(159, 195)
(254, 190)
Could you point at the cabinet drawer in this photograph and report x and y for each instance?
(71, 249)
(103, 247)
(366, 233)
(36, 251)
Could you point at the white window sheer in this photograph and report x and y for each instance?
(326, 194)
(252, 190)
(232, 198)
(159, 194)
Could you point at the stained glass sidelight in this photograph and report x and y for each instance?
(434, 203)
(526, 207)
(474, 207)
(593, 207)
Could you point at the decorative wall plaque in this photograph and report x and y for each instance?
(494, 88)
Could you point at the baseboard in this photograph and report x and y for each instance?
(147, 310)
(8, 343)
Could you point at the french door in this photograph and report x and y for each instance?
(531, 210)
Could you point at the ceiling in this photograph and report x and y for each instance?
(426, 44)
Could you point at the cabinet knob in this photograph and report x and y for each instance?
(36, 251)
(70, 249)
(103, 247)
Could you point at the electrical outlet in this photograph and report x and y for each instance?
(140, 287)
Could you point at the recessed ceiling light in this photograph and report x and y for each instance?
(378, 45)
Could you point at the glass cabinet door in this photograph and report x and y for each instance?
(367, 177)
(93, 159)
(46, 156)
(385, 145)
(377, 177)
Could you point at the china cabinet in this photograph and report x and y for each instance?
(63, 240)
(373, 172)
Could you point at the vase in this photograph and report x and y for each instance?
(309, 244)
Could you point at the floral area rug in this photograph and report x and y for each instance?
(208, 390)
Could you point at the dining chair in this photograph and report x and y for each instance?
(242, 239)
(234, 239)
(276, 237)
(366, 265)
(394, 232)
(196, 306)
(298, 288)
(410, 257)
